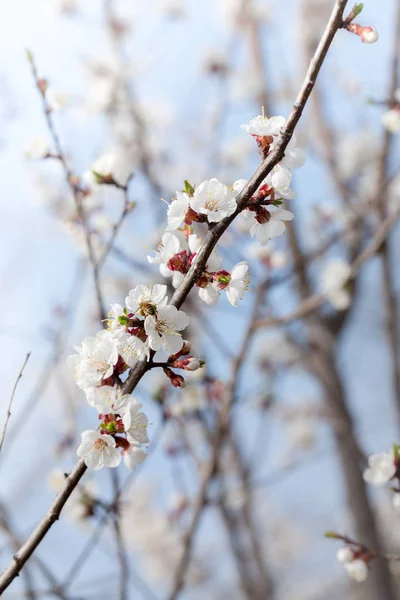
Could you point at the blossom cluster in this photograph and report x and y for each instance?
(355, 561)
(384, 468)
(149, 323)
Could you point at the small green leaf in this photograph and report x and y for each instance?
(123, 320)
(189, 189)
(98, 176)
(357, 8)
(278, 202)
(331, 535)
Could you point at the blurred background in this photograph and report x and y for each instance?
(159, 89)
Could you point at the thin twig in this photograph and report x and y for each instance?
(71, 180)
(8, 413)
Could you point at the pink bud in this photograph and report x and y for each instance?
(369, 35)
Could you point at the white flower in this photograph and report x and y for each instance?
(333, 279)
(132, 349)
(57, 100)
(95, 360)
(238, 283)
(272, 228)
(115, 311)
(142, 297)
(98, 450)
(214, 199)
(294, 157)
(396, 501)
(357, 569)
(111, 162)
(369, 35)
(177, 211)
(280, 179)
(209, 294)
(391, 120)
(134, 456)
(38, 147)
(264, 126)
(169, 247)
(163, 330)
(345, 554)
(239, 185)
(135, 423)
(381, 469)
(106, 399)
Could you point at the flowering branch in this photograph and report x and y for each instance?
(101, 448)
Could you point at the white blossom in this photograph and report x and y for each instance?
(143, 297)
(132, 349)
(57, 100)
(272, 228)
(169, 247)
(133, 456)
(135, 423)
(280, 179)
(177, 211)
(162, 330)
(98, 450)
(264, 126)
(357, 569)
(106, 399)
(391, 120)
(345, 554)
(116, 310)
(213, 199)
(38, 147)
(238, 283)
(95, 360)
(111, 162)
(333, 279)
(381, 470)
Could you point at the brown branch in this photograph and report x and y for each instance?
(6, 525)
(178, 298)
(53, 513)
(118, 224)
(8, 413)
(121, 551)
(71, 180)
(391, 308)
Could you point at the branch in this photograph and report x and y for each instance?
(334, 24)
(71, 180)
(8, 413)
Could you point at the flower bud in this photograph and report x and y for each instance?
(369, 35)
(345, 554)
(176, 380)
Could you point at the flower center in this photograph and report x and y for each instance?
(99, 444)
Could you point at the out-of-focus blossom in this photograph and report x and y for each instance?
(333, 280)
